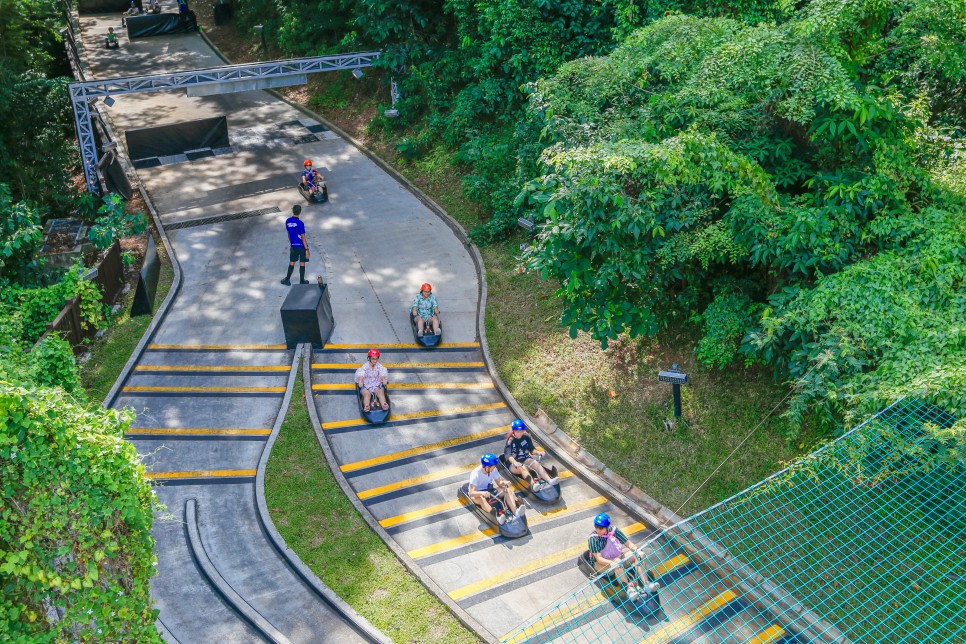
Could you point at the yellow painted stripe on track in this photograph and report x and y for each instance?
(199, 431)
(205, 369)
(199, 474)
(419, 514)
(398, 485)
(534, 519)
(432, 447)
(411, 345)
(533, 566)
(664, 568)
(402, 365)
(582, 606)
(419, 414)
(768, 635)
(207, 390)
(219, 347)
(411, 385)
(689, 621)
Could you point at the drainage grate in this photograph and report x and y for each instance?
(214, 220)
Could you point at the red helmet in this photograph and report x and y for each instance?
(426, 287)
(374, 353)
(307, 162)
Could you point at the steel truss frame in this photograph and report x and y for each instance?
(82, 94)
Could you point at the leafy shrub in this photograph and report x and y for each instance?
(113, 223)
(52, 364)
(37, 307)
(75, 534)
(20, 236)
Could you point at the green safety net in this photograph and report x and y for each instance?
(863, 540)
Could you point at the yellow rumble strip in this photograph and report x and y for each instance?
(190, 431)
(533, 566)
(768, 635)
(432, 447)
(396, 346)
(203, 369)
(410, 385)
(683, 624)
(401, 365)
(206, 390)
(199, 474)
(398, 485)
(419, 414)
(217, 347)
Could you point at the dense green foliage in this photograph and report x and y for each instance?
(76, 550)
(772, 182)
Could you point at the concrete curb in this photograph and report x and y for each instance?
(222, 587)
(361, 624)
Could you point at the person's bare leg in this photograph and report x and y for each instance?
(436, 324)
(366, 400)
(420, 324)
(381, 395)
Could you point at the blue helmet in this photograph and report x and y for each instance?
(488, 460)
(518, 426)
(602, 520)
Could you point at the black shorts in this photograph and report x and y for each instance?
(298, 255)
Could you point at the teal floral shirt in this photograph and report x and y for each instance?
(425, 305)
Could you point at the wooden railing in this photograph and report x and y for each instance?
(109, 276)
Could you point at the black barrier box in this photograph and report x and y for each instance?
(148, 281)
(307, 315)
(159, 24)
(177, 138)
(107, 6)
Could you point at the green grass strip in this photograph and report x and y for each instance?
(319, 523)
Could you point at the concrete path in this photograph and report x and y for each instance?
(210, 388)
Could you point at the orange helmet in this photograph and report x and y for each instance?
(426, 287)
(307, 162)
(374, 353)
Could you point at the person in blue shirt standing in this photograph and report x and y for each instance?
(299, 246)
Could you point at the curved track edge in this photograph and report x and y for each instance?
(359, 623)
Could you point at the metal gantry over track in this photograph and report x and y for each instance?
(83, 93)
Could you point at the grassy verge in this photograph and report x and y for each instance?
(320, 524)
(110, 352)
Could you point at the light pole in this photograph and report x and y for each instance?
(676, 378)
(261, 32)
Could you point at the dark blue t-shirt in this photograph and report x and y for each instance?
(295, 227)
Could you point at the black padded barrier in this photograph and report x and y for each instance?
(148, 281)
(307, 315)
(167, 140)
(106, 6)
(160, 24)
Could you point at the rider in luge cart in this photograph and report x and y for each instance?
(608, 546)
(488, 489)
(519, 451)
(311, 179)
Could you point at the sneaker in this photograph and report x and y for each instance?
(304, 282)
(519, 512)
(653, 587)
(538, 485)
(419, 334)
(553, 481)
(440, 332)
(501, 518)
(287, 282)
(633, 594)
